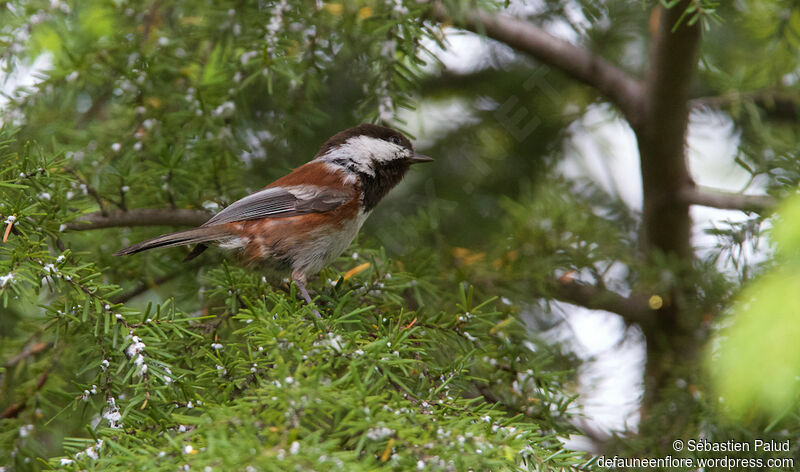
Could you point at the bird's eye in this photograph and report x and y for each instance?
(394, 139)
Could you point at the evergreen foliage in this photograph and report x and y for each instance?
(253, 379)
(174, 107)
(435, 351)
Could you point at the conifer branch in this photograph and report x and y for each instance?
(632, 309)
(146, 285)
(661, 134)
(776, 105)
(13, 410)
(726, 200)
(29, 351)
(90, 190)
(583, 65)
(139, 217)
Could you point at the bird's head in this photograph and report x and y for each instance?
(369, 149)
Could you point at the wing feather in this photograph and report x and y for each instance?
(278, 202)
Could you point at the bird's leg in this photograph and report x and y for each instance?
(300, 280)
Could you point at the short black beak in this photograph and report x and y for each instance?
(418, 158)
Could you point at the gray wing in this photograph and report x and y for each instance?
(279, 202)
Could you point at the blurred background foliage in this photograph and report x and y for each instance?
(439, 353)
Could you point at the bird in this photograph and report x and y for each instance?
(301, 222)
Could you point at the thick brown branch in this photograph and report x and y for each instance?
(726, 200)
(661, 134)
(140, 217)
(583, 65)
(632, 309)
(661, 137)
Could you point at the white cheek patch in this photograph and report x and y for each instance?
(375, 149)
(364, 152)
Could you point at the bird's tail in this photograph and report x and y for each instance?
(181, 238)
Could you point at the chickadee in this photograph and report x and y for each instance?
(307, 218)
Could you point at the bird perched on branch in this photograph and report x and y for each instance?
(307, 218)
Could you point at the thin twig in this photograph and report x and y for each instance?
(145, 286)
(28, 352)
(777, 104)
(16, 408)
(139, 217)
(90, 190)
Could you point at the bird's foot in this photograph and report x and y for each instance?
(299, 280)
